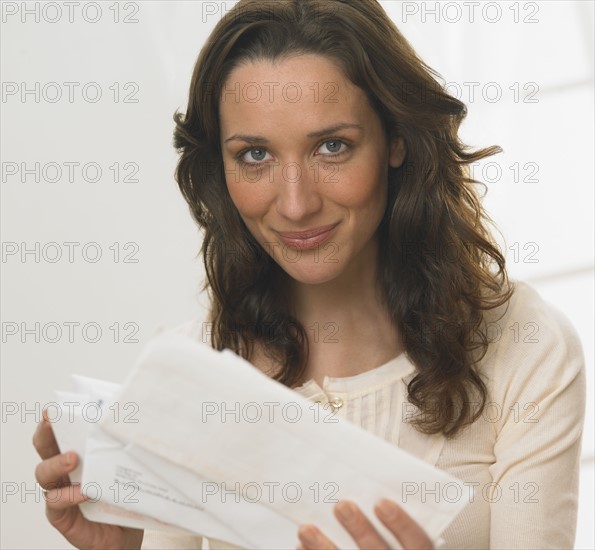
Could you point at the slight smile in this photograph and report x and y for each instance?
(308, 239)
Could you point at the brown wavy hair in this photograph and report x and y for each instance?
(439, 266)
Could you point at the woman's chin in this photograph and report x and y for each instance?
(312, 273)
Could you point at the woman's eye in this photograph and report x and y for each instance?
(254, 156)
(333, 147)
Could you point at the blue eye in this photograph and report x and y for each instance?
(333, 146)
(254, 155)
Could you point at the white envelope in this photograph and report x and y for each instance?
(79, 414)
(122, 480)
(188, 397)
(113, 471)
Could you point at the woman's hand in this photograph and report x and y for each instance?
(62, 499)
(409, 534)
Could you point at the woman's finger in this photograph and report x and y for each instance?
(44, 440)
(359, 526)
(311, 538)
(409, 533)
(63, 497)
(63, 513)
(52, 472)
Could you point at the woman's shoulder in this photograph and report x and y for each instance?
(532, 344)
(528, 318)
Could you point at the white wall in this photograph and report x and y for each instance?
(543, 49)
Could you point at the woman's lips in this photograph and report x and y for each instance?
(308, 239)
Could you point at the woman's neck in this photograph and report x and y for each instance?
(349, 328)
(355, 289)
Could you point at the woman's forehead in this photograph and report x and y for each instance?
(297, 79)
(301, 88)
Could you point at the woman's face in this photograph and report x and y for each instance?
(306, 164)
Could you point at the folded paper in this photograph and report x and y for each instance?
(213, 446)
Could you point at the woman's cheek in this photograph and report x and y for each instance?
(362, 187)
(251, 199)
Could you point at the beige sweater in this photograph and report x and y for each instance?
(520, 459)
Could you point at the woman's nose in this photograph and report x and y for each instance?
(298, 194)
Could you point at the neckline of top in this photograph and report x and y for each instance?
(396, 368)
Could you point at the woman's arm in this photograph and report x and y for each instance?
(536, 473)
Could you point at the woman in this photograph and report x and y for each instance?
(348, 257)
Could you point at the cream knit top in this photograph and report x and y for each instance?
(520, 459)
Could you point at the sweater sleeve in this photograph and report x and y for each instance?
(540, 390)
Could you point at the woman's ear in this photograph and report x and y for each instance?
(397, 151)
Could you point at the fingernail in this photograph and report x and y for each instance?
(309, 535)
(85, 497)
(69, 459)
(44, 414)
(387, 510)
(345, 510)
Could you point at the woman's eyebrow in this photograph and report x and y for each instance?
(335, 128)
(247, 138)
(318, 133)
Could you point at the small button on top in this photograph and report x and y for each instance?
(336, 403)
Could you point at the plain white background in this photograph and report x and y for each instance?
(525, 70)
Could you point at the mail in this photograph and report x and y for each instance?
(200, 441)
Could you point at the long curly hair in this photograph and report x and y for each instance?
(439, 266)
